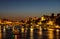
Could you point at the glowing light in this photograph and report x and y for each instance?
(31, 23)
(0, 29)
(40, 28)
(50, 23)
(44, 28)
(50, 29)
(50, 34)
(31, 34)
(13, 29)
(15, 36)
(57, 30)
(0, 33)
(42, 18)
(0, 20)
(7, 22)
(39, 22)
(22, 29)
(4, 29)
(57, 26)
(40, 31)
(31, 29)
(37, 25)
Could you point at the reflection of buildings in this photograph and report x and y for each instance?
(50, 34)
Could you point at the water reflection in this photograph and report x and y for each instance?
(29, 33)
(0, 33)
(50, 34)
(57, 32)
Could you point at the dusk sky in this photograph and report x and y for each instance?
(19, 8)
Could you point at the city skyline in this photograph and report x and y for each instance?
(23, 8)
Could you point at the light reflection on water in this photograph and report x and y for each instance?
(37, 34)
(0, 33)
(33, 34)
(50, 34)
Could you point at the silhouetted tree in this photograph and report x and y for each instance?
(22, 21)
(5, 19)
(52, 16)
(58, 14)
(29, 21)
(58, 21)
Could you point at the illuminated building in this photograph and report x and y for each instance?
(0, 21)
(42, 18)
(50, 22)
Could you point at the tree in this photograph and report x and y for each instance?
(58, 21)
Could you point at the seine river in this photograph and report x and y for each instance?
(31, 34)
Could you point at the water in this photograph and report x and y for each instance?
(30, 34)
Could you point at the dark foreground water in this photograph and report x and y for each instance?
(31, 34)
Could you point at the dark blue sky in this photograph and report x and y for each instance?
(23, 8)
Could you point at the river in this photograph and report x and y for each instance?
(31, 34)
